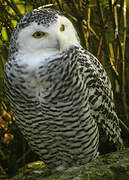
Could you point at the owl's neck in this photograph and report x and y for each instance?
(34, 59)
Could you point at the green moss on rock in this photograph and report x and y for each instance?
(112, 166)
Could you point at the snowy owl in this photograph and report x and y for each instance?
(59, 92)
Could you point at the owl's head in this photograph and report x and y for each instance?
(43, 30)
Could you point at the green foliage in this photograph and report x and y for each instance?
(102, 28)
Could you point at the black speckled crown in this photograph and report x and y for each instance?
(43, 16)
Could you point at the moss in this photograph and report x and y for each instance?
(32, 171)
(112, 166)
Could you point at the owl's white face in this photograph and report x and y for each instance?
(39, 39)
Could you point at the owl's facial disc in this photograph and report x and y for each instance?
(59, 35)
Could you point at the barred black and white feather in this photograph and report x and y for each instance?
(59, 99)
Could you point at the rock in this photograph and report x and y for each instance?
(111, 166)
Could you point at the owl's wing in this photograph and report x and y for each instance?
(101, 97)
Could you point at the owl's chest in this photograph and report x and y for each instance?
(38, 84)
(32, 85)
(55, 83)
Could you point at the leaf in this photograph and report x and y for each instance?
(4, 34)
(110, 36)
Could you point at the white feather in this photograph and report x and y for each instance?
(33, 51)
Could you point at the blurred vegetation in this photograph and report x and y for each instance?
(102, 27)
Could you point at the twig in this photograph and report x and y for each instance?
(86, 33)
(123, 62)
(99, 47)
(14, 7)
(116, 20)
(90, 29)
(100, 13)
(124, 125)
(112, 58)
(58, 3)
(120, 11)
(115, 3)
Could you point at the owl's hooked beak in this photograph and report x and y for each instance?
(58, 44)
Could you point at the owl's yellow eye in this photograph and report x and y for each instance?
(38, 34)
(62, 27)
